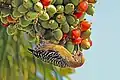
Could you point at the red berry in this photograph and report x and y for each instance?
(75, 33)
(83, 6)
(45, 2)
(85, 25)
(5, 25)
(77, 40)
(90, 41)
(64, 36)
(10, 19)
(78, 14)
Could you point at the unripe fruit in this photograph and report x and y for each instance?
(69, 8)
(23, 22)
(4, 20)
(53, 1)
(69, 46)
(61, 18)
(22, 9)
(58, 34)
(35, 1)
(27, 4)
(45, 24)
(65, 27)
(53, 24)
(86, 34)
(85, 44)
(58, 2)
(51, 9)
(60, 8)
(70, 19)
(16, 3)
(44, 16)
(11, 29)
(75, 2)
(31, 15)
(5, 12)
(38, 6)
(16, 13)
(90, 10)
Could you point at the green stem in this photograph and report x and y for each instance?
(3, 53)
(18, 56)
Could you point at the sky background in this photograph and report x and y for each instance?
(103, 59)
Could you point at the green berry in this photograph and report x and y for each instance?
(60, 18)
(53, 24)
(44, 16)
(69, 8)
(16, 13)
(11, 29)
(58, 2)
(31, 15)
(53, 1)
(69, 46)
(5, 12)
(75, 2)
(4, 20)
(45, 24)
(51, 9)
(70, 19)
(27, 4)
(58, 34)
(90, 10)
(23, 22)
(60, 8)
(16, 3)
(86, 34)
(35, 1)
(22, 9)
(38, 6)
(65, 27)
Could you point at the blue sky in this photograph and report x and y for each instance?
(102, 60)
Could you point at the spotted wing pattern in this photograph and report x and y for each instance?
(50, 56)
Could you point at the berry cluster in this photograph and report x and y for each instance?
(60, 21)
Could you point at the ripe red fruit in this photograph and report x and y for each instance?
(77, 40)
(10, 19)
(78, 14)
(45, 2)
(83, 6)
(64, 36)
(5, 25)
(85, 25)
(75, 33)
(90, 41)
